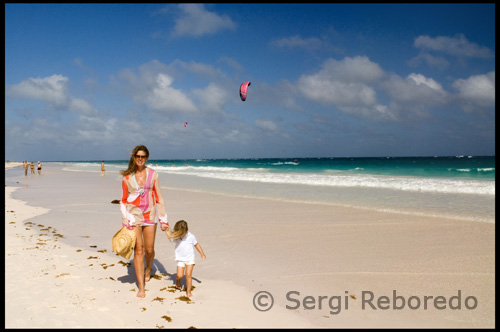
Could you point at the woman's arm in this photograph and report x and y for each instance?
(162, 211)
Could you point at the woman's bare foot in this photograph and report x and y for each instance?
(141, 293)
(147, 275)
(178, 287)
(190, 296)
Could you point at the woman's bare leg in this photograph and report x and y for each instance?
(149, 233)
(139, 261)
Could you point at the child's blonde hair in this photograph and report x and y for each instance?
(180, 230)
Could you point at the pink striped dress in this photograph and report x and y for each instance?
(140, 205)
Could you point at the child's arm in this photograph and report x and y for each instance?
(198, 247)
(169, 235)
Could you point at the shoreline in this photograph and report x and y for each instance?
(469, 207)
(252, 245)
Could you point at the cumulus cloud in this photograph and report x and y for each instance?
(421, 80)
(415, 92)
(342, 82)
(213, 97)
(153, 87)
(348, 85)
(358, 69)
(433, 61)
(477, 89)
(52, 90)
(414, 96)
(164, 97)
(196, 21)
(457, 46)
(331, 91)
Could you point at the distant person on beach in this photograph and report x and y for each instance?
(185, 241)
(39, 166)
(32, 167)
(25, 166)
(102, 168)
(141, 202)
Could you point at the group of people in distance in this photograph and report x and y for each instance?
(31, 166)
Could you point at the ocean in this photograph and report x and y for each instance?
(461, 187)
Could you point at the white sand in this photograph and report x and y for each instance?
(251, 245)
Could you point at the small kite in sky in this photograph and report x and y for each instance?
(185, 124)
(243, 90)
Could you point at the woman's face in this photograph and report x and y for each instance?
(140, 158)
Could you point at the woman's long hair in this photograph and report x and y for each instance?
(180, 230)
(132, 167)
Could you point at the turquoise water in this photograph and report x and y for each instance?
(459, 187)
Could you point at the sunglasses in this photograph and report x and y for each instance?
(140, 157)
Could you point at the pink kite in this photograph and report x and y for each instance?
(185, 124)
(243, 90)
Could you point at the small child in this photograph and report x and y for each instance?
(184, 253)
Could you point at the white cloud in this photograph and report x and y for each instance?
(197, 68)
(81, 106)
(346, 84)
(196, 21)
(53, 90)
(477, 89)
(326, 91)
(457, 46)
(163, 97)
(358, 69)
(266, 125)
(420, 79)
(311, 43)
(342, 82)
(433, 61)
(154, 88)
(416, 89)
(212, 97)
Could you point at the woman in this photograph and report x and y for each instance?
(141, 201)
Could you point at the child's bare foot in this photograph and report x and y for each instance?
(190, 296)
(141, 293)
(178, 287)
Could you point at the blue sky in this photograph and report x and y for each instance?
(91, 81)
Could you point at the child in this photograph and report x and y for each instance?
(184, 253)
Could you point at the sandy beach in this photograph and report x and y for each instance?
(323, 266)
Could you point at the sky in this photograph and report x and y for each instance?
(92, 81)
